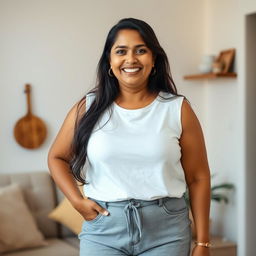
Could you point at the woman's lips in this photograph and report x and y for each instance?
(131, 70)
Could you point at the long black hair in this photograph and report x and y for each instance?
(107, 89)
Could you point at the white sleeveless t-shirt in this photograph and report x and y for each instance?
(135, 153)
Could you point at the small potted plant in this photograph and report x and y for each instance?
(215, 196)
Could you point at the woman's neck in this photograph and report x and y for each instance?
(135, 99)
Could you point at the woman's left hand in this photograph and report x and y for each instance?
(200, 251)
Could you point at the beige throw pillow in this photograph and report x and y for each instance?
(67, 215)
(18, 228)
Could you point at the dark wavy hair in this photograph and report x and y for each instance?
(107, 89)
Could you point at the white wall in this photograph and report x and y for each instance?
(55, 46)
(226, 121)
(221, 115)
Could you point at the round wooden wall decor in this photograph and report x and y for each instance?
(30, 131)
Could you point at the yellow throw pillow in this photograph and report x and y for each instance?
(67, 215)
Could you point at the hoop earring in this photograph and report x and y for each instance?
(154, 71)
(110, 73)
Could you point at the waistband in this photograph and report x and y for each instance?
(137, 202)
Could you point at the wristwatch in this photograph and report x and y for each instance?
(207, 244)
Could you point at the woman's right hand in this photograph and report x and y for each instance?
(89, 209)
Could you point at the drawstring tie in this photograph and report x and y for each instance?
(131, 209)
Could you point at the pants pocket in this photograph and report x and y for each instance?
(96, 219)
(174, 206)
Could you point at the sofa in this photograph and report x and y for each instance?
(42, 196)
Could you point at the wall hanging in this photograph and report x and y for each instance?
(30, 131)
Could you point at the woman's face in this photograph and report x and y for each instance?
(131, 60)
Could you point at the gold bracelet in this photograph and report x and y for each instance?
(207, 244)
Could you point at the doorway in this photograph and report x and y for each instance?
(250, 101)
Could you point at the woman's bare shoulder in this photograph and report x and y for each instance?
(76, 111)
(62, 143)
(188, 116)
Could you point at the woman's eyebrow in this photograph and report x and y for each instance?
(124, 46)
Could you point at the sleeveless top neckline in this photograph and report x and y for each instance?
(137, 109)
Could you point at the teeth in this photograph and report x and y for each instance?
(130, 70)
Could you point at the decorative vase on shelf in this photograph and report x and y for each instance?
(217, 67)
(206, 64)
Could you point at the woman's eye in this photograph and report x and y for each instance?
(141, 51)
(120, 52)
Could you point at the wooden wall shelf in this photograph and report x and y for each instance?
(210, 76)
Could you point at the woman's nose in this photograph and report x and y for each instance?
(131, 58)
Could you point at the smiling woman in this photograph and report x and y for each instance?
(143, 145)
(131, 60)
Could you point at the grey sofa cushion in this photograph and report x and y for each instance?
(74, 241)
(40, 195)
(56, 247)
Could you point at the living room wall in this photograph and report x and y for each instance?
(55, 46)
(226, 139)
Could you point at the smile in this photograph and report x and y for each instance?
(131, 70)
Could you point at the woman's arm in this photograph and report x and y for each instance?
(197, 173)
(58, 162)
(60, 155)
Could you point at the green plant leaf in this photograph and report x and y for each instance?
(219, 198)
(223, 186)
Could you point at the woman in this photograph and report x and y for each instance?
(141, 144)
